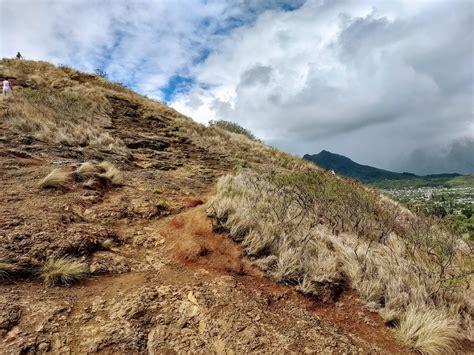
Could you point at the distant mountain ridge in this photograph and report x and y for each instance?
(367, 174)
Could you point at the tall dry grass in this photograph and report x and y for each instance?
(432, 332)
(66, 118)
(63, 271)
(323, 234)
(56, 179)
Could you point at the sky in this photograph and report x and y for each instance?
(387, 83)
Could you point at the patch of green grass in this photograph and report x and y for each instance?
(426, 181)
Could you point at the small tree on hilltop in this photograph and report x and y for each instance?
(101, 73)
(233, 127)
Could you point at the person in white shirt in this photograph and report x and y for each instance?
(7, 87)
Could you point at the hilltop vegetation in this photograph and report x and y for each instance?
(233, 127)
(100, 182)
(383, 178)
(346, 167)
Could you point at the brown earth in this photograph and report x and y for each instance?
(169, 284)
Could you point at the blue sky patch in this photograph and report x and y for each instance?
(176, 85)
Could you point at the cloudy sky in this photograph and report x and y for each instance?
(385, 82)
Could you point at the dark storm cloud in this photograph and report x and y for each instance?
(458, 157)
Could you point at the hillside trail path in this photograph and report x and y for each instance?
(169, 284)
(189, 289)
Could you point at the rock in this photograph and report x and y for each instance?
(153, 144)
(219, 346)
(9, 316)
(43, 347)
(192, 298)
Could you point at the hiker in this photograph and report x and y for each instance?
(18, 56)
(7, 87)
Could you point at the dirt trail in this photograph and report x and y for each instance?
(188, 290)
(191, 241)
(168, 284)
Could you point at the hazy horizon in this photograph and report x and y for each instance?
(385, 83)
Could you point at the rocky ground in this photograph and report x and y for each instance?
(165, 283)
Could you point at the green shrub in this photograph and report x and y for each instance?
(234, 128)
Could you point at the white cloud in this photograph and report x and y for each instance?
(373, 80)
(346, 76)
(143, 43)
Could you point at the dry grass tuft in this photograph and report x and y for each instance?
(91, 176)
(6, 269)
(107, 244)
(86, 168)
(111, 173)
(56, 179)
(63, 271)
(430, 332)
(98, 176)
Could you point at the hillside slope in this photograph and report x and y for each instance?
(107, 188)
(382, 178)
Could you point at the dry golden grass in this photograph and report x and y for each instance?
(321, 233)
(92, 176)
(86, 168)
(430, 332)
(59, 107)
(111, 173)
(107, 244)
(63, 271)
(60, 118)
(97, 176)
(6, 269)
(56, 179)
(67, 118)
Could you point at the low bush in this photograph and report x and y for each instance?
(234, 128)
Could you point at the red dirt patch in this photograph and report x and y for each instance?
(191, 241)
(193, 202)
(348, 312)
(193, 244)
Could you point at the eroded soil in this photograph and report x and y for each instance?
(168, 284)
